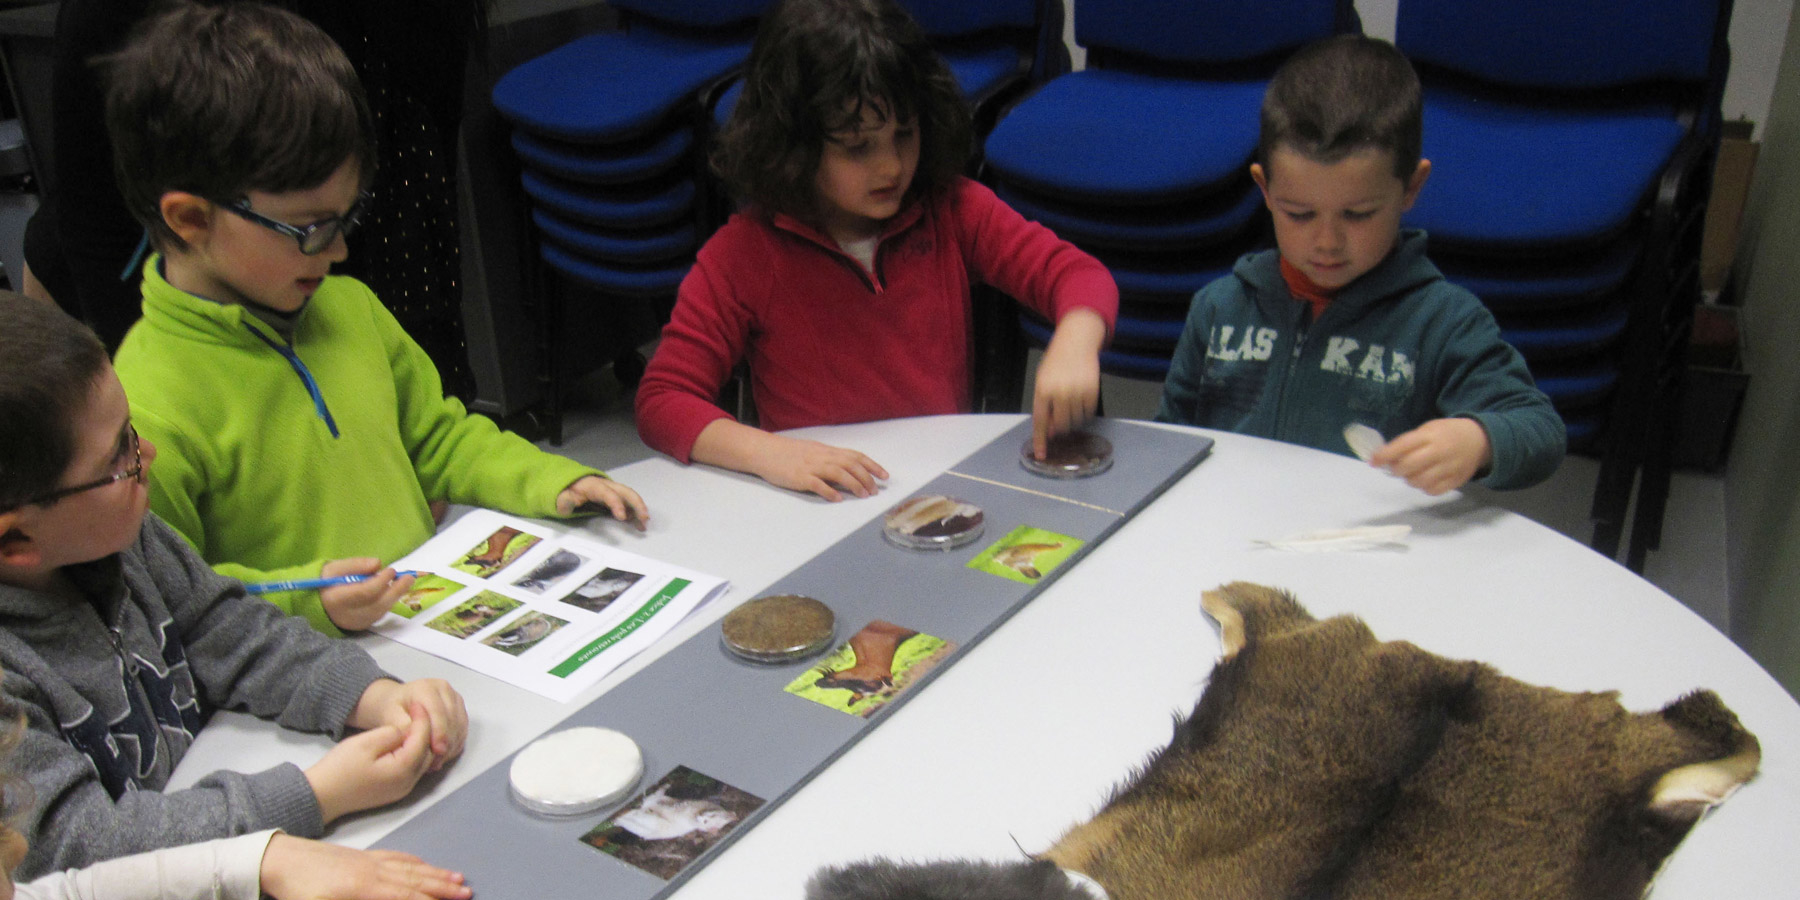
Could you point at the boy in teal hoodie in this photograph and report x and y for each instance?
(1348, 321)
(303, 433)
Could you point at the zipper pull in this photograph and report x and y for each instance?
(125, 659)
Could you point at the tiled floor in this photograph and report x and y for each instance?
(1690, 566)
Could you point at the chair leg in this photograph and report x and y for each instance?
(1653, 491)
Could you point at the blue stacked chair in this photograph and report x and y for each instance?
(1572, 144)
(609, 129)
(995, 48)
(1142, 158)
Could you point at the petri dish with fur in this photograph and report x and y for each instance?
(778, 628)
(576, 771)
(1077, 454)
(933, 522)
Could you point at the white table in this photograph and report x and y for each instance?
(1050, 712)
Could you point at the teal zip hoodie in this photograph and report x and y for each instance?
(1396, 348)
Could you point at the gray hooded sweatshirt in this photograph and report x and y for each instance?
(114, 689)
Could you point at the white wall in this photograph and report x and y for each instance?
(1762, 497)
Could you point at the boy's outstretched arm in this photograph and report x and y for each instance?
(262, 863)
(1486, 380)
(298, 869)
(792, 463)
(1068, 378)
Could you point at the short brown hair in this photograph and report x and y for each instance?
(218, 101)
(48, 363)
(1341, 95)
(815, 66)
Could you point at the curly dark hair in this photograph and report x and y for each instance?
(1342, 95)
(815, 67)
(220, 101)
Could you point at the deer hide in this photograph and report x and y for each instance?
(1323, 763)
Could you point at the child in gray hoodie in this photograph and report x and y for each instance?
(118, 642)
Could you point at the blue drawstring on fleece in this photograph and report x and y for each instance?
(312, 387)
(137, 257)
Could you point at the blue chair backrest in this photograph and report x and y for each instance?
(1207, 31)
(696, 13)
(954, 18)
(1564, 43)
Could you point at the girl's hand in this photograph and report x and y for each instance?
(298, 869)
(1068, 378)
(816, 468)
(623, 502)
(792, 463)
(354, 607)
(1438, 456)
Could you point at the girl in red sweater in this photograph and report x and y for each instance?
(844, 282)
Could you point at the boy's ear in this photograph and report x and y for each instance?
(1261, 178)
(188, 215)
(1416, 183)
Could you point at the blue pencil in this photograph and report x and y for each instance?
(312, 584)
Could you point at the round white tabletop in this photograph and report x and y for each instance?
(1025, 736)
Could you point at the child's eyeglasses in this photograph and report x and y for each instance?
(315, 238)
(135, 470)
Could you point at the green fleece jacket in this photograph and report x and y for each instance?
(272, 460)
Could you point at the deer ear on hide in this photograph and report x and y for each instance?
(1231, 622)
(1683, 793)
(1249, 612)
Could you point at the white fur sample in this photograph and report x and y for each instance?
(1366, 537)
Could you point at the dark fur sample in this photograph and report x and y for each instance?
(884, 879)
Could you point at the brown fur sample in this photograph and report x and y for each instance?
(1323, 763)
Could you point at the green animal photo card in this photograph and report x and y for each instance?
(1026, 554)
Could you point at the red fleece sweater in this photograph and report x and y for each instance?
(829, 342)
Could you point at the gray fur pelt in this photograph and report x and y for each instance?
(884, 879)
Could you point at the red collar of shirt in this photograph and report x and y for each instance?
(1304, 289)
(908, 215)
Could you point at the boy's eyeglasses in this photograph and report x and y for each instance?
(315, 238)
(135, 470)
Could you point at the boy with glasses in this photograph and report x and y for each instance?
(303, 433)
(118, 642)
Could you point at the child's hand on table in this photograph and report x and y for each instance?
(354, 607)
(389, 702)
(623, 502)
(1067, 390)
(1438, 456)
(300, 869)
(371, 769)
(802, 465)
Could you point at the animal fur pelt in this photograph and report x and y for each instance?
(1323, 763)
(881, 879)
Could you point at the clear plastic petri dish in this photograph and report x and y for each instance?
(1078, 454)
(778, 628)
(576, 771)
(933, 522)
